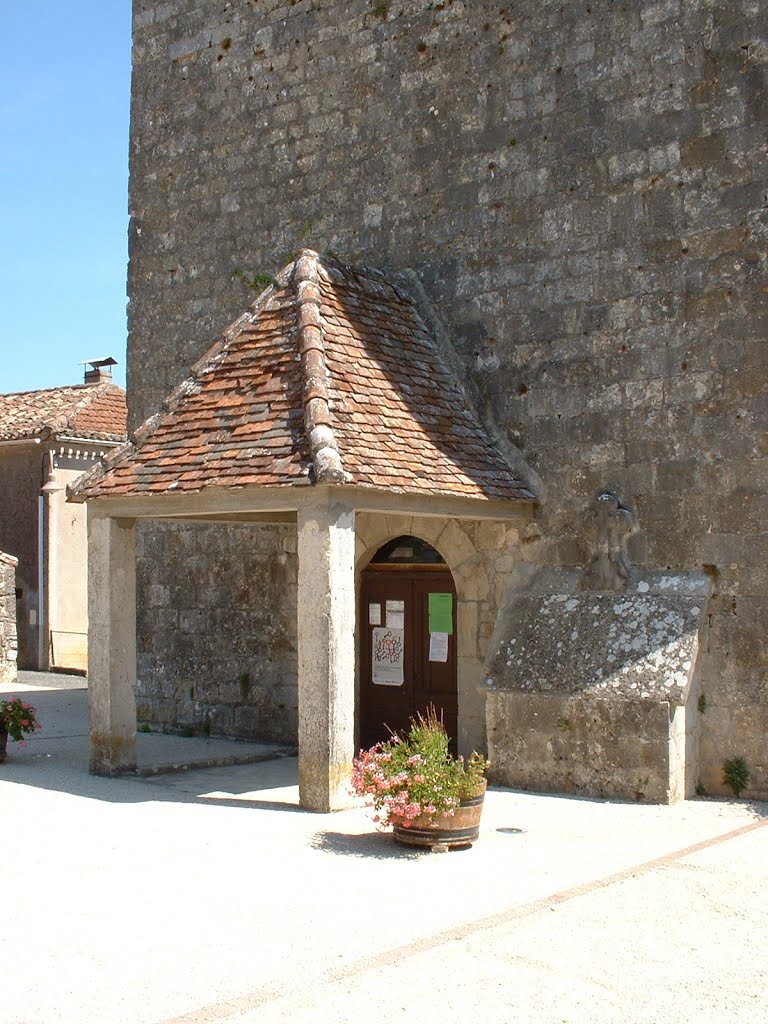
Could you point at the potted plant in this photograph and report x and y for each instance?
(426, 795)
(17, 720)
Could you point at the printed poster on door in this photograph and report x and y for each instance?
(395, 614)
(387, 656)
(438, 647)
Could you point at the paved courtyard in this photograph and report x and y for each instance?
(207, 897)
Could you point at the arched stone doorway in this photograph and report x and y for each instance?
(408, 656)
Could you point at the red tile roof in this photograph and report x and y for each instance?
(331, 376)
(94, 412)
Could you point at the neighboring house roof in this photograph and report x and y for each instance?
(92, 412)
(331, 376)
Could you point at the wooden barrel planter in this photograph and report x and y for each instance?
(446, 831)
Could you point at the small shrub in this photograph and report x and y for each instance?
(257, 283)
(18, 719)
(736, 774)
(415, 775)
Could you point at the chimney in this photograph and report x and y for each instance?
(100, 370)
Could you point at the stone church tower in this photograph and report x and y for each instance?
(577, 194)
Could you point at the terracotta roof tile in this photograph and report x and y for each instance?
(331, 376)
(89, 411)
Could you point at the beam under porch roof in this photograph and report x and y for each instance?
(281, 504)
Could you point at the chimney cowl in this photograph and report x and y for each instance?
(100, 370)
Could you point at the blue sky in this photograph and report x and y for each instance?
(64, 107)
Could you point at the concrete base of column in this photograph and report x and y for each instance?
(112, 755)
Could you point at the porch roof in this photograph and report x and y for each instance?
(330, 377)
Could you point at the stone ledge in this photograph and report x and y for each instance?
(555, 636)
(147, 771)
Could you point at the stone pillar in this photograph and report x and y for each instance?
(326, 648)
(7, 618)
(111, 643)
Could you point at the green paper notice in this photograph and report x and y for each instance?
(441, 613)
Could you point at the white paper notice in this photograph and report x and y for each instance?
(374, 614)
(396, 614)
(438, 647)
(387, 656)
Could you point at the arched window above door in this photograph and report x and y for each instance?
(407, 550)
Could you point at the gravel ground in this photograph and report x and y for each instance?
(208, 897)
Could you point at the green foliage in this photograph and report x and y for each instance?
(18, 718)
(736, 774)
(415, 775)
(380, 8)
(257, 283)
(306, 231)
(702, 704)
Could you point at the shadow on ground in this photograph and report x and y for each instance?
(56, 759)
(375, 845)
(172, 768)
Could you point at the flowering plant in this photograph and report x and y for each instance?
(18, 718)
(415, 775)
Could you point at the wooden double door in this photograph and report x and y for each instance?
(407, 649)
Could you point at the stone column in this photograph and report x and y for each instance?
(111, 643)
(8, 618)
(326, 648)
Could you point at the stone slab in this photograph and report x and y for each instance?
(555, 637)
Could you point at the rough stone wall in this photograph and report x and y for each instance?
(581, 191)
(216, 630)
(620, 749)
(7, 618)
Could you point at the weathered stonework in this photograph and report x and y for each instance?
(596, 692)
(199, 578)
(621, 749)
(580, 192)
(8, 647)
(216, 628)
